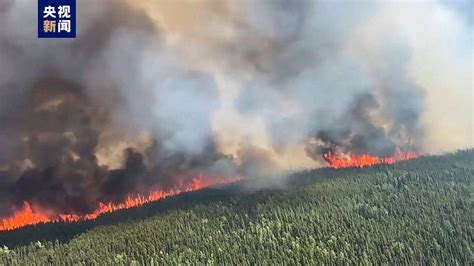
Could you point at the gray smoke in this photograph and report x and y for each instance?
(62, 98)
(342, 101)
(156, 93)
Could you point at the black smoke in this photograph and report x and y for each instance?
(59, 101)
(135, 100)
(356, 131)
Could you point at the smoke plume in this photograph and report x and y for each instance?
(156, 93)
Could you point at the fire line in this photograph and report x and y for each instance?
(338, 161)
(28, 215)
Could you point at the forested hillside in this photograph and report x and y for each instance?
(412, 212)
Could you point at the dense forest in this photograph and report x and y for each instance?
(412, 212)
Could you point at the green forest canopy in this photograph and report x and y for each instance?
(409, 212)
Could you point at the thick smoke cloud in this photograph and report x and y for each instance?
(293, 70)
(335, 97)
(65, 100)
(156, 93)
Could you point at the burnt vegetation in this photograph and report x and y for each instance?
(412, 212)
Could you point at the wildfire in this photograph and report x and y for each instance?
(28, 215)
(337, 161)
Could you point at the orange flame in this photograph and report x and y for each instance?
(337, 161)
(27, 215)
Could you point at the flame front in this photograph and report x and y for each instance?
(28, 215)
(337, 161)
